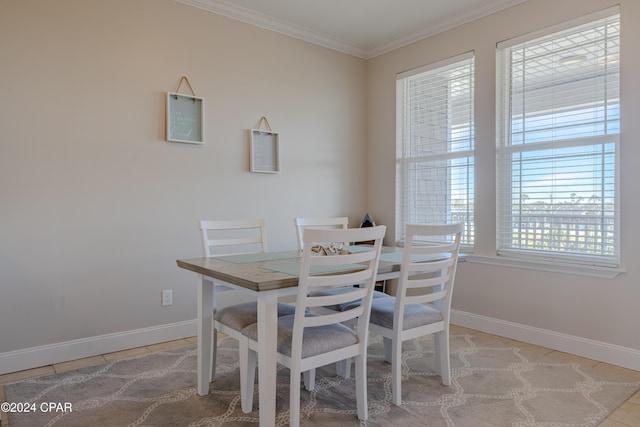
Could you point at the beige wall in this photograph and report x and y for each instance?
(500, 299)
(95, 206)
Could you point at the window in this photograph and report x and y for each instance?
(558, 143)
(434, 145)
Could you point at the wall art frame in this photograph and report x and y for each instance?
(264, 149)
(185, 116)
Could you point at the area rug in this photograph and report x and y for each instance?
(493, 384)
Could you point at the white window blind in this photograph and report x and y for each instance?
(434, 145)
(558, 144)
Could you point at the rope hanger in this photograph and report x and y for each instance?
(184, 78)
(263, 120)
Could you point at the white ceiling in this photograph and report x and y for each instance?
(363, 28)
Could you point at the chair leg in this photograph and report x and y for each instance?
(343, 368)
(361, 386)
(388, 349)
(443, 361)
(248, 360)
(309, 379)
(214, 349)
(294, 398)
(396, 371)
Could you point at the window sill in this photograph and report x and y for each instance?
(575, 269)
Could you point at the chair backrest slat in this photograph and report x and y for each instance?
(231, 237)
(352, 258)
(428, 266)
(302, 223)
(436, 279)
(433, 247)
(425, 298)
(330, 300)
(336, 317)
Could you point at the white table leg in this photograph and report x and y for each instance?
(267, 337)
(205, 330)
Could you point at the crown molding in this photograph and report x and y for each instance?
(416, 36)
(267, 22)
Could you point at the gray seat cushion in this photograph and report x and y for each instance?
(316, 340)
(415, 315)
(346, 305)
(240, 316)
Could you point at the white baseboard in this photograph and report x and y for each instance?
(591, 349)
(34, 357)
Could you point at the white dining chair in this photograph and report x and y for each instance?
(307, 340)
(422, 302)
(343, 367)
(234, 237)
(330, 222)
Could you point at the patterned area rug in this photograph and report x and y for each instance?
(492, 385)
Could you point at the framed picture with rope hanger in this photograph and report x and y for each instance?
(264, 148)
(185, 116)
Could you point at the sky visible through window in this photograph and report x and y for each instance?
(543, 172)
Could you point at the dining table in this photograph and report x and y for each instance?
(267, 276)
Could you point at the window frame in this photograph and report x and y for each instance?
(592, 265)
(403, 161)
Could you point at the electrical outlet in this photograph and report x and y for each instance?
(167, 297)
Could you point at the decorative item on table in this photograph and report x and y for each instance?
(367, 222)
(331, 249)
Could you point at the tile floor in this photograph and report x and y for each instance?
(627, 415)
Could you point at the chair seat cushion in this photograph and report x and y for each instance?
(316, 340)
(240, 316)
(345, 305)
(415, 315)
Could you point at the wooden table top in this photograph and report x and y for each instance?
(252, 272)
